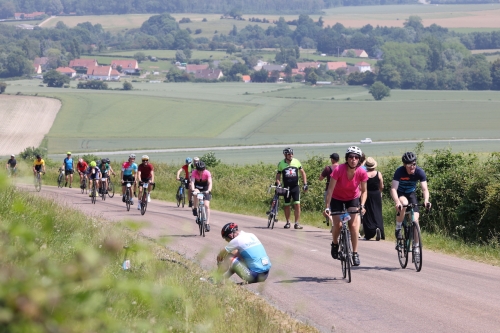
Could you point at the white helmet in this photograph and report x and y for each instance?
(354, 150)
(196, 159)
(145, 157)
(131, 156)
(12, 155)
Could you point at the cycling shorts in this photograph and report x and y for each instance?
(206, 196)
(68, 171)
(240, 268)
(144, 180)
(293, 196)
(338, 205)
(94, 176)
(38, 168)
(412, 199)
(128, 179)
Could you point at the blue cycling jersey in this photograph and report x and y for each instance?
(407, 182)
(251, 250)
(68, 163)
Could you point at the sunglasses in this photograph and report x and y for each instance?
(411, 164)
(354, 156)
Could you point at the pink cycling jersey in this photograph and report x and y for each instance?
(347, 189)
(201, 181)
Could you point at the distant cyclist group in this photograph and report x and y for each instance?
(346, 191)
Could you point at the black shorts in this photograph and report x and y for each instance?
(68, 171)
(144, 180)
(128, 179)
(186, 184)
(293, 196)
(338, 205)
(38, 168)
(206, 196)
(412, 199)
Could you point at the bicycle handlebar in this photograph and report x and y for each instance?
(345, 211)
(412, 205)
(278, 187)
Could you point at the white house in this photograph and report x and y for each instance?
(66, 71)
(104, 73)
(363, 67)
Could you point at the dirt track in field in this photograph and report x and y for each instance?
(24, 121)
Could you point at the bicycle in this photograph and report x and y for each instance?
(272, 213)
(102, 189)
(128, 194)
(93, 193)
(144, 200)
(181, 192)
(38, 181)
(407, 244)
(60, 178)
(83, 185)
(345, 246)
(201, 219)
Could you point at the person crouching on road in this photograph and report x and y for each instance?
(244, 255)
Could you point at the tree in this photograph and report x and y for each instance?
(3, 86)
(7, 10)
(259, 76)
(140, 57)
(17, 65)
(495, 75)
(312, 77)
(127, 86)
(55, 79)
(379, 91)
(180, 56)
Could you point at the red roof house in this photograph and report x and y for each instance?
(67, 71)
(83, 63)
(334, 65)
(195, 68)
(127, 65)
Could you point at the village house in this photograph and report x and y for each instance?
(363, 67)
(28, 16)
(271, 68)
(357, 53)
(66, 71)
(81, 65)
(37, 69)
(208, 74)
(334, 65)
(129, 66)
(301, 66)
(104, 73)
(246, 78)
(195, 68)
(42, 61)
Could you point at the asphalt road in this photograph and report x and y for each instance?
(448, 295)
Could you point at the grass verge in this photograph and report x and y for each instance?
(61, 272)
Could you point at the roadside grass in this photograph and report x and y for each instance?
(62, 272)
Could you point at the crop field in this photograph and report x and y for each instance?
(158, 66)
(471, 16)
(190, 115)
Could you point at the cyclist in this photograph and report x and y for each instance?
(289, 168)
(145, 174)
(129, 168)
(68, 166)
(327, 171)
(187, 168)
(82, 166)
(201, 182)
(11, 166)
(347, 188)
(106, 169)
(404, 185)
(94, 175)
(244, 255)
(38, 165)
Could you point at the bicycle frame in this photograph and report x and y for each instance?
(145, 193)
(202, 216)
(274, 208)
(411, 240)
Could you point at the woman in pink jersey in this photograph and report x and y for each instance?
(201, 182)
(347, 188)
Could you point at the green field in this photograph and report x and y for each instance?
(473, 17)
(183, 115)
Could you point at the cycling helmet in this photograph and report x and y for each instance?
(38, 156)
(106, 160)
(80, 160)
(145, 157)
(68, 153)
(131, 156)
(228, 229)
(288, 151)
(12, 155)
(354, 150)
(409, 157)
(93, 164)
(189, 160)
(98, 162)
(200, 166)
(196, 159)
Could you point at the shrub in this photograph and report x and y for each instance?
(90, 157)
(210, 159)
(29, 153)
(127, 86)
(3, 86)
(94, 84)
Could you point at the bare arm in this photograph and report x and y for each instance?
(304, 178)
(178, 173)
(329, 193)
(364, 194)
(425, 192)
(209, 184)
(381, 185)
(152, 176)
(394, 193)
(278, 178)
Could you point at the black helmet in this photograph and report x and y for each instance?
(288, 151)
(38, 156)
(106, 160)
(200, 166)
(228, 229)
(409, 157)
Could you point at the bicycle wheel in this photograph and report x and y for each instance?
(83, 185)
(349, 255)
(38, 183)
(111, 189)
(144, 202)
(103, 190)
(201, 216)
(93, 193)
(402, 249)
(127, 198)
(60, 180)
(178, 196)
(342, 256)
(183, 197)
(270, 220)
(417, 260)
